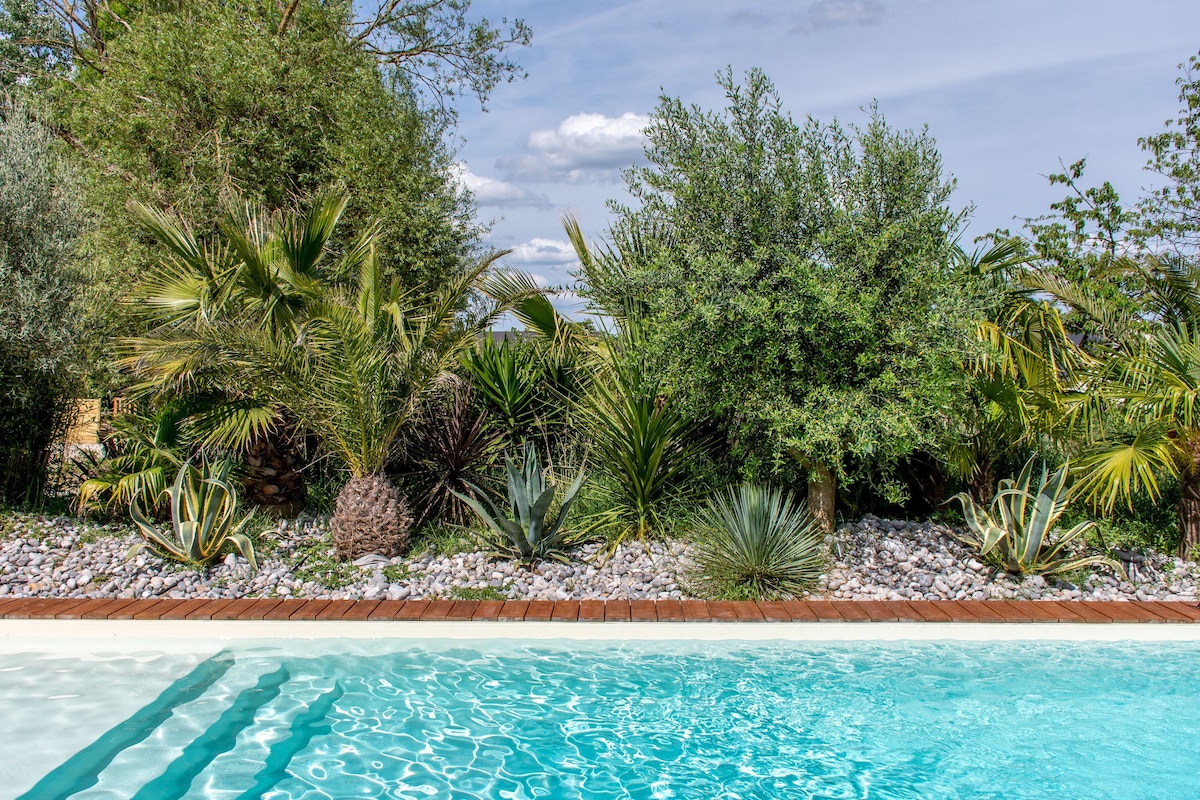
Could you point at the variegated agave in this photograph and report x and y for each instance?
(533, 533)
(1018, 535)
(203, 504)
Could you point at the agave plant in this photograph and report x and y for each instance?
(1018, 535)
(203, 505)
(534, 533)
(760, 544)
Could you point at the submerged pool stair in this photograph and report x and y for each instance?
(192, 727)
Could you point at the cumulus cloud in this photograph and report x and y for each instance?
(584, 147)
(493, 192)
(833, 13)
(543, 252)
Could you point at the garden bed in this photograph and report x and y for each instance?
(874, 559)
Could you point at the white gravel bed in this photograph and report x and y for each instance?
(873, 559)
(879, 559)
(66, 557)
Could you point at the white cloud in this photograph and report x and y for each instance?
(584, 147)
(493, 192)
(544, 252)
(832, 13)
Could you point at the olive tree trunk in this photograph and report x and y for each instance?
(822, 495)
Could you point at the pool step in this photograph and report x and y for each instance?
(162, 763)
(264, 750)
(80, 774)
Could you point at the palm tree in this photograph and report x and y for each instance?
(1146, 374)
(349, 355)
(1017, 378)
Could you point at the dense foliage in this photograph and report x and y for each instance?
(40, 223)
(794, 281)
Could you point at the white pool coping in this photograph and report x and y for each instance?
(84, 636)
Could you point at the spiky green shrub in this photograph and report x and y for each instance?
(758, 543)
(533, 532)
(1018, 534)
(203, 505)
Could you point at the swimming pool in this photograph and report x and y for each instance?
(579, 719)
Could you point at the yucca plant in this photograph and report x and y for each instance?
(759, 543)
(1018, 534)
(533, 533)
(203, 505)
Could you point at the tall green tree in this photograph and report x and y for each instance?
(795, 282)
(40, 223)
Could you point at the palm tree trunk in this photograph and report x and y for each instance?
(982, 483)
(822, 495)
(273, 479)
(1189, 513)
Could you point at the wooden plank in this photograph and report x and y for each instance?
(721, 611)
(591, 611)
(410, 610)
(386, 610)
(514, 610)
(336, 610)
(361, 611)
(695, 611)
(982, 611)
(565, 611)
(539, 610)
(643, 611)
(309, 609)
(437, 610)
(77, 612)
(669, 611)
(617, 611)
(747, 611)
(800, 611)
(826, 610)
(773, 611)
(1183, 612)
(927, 611)
(181, 610)
(878, 611)
(1090, 612)
(488, 610)
(462, 610)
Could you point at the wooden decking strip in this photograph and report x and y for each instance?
(991, 611)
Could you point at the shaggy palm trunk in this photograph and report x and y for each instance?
(273, 479)
(1189, 513)
(982, 483)
(370, 517)
(822, 496)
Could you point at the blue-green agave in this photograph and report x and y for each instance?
(532, 533)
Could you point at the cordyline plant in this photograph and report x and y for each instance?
(1018, 534)
(203, 504)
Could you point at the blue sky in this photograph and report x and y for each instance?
(1007, 88)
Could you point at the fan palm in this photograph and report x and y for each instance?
(348, 354)
(1147, 371)
(1015, 381)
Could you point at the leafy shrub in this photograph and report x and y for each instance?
(141, 453)
(759, 543)
(1018, 534)
(203, 504)
(535, 532)
(39, 331)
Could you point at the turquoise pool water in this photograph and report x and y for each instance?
(662, 720)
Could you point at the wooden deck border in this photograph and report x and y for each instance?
(990, 611)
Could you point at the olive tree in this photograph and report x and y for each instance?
(794, 282)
